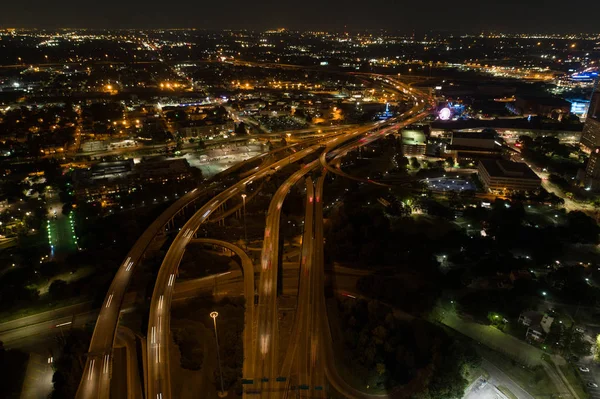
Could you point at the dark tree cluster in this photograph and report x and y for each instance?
(68, 367)
(13, 364)
(548, 152)
(230, 325)
(412, 358)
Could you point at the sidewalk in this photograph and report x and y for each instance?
(494, 339)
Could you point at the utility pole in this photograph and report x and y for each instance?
(245, 230)
(214, 315)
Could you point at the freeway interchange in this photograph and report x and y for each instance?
(309, 355)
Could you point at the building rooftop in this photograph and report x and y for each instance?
(502, 168)
(484, 135)
(413, 137)
(458, 147)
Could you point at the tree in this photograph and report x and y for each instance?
(58, 289)
(414, 163)
(69, 365)
(526, 141)
(178, 143)
(582, 228)
(401, 161)
(578, 345)
(12, 366)
(241, 128)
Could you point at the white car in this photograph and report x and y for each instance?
(584, 369)
(592, 385)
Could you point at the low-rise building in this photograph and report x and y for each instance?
(473, 146)
(501, 176)
(204, 129)
(108, 180)
(538, 325)
(414, 142)
(94, 145)
(543, 106)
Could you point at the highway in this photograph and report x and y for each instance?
(159, 322)
(127, 338)
(96, 380)
(292, 355)
(267, 355)
(319, 312)
(304, 345)
(267, 358)
(322, 348)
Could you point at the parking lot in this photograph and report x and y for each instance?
(590, 378)
(449, 184)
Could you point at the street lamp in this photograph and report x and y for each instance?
(214, 317)
(245, 230)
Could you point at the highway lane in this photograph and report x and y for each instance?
(420, 110)
(266, 357)
(317, 373)
(159, 323)
(95, 383)
(303, 348)
(324, 356)
(267, 351)
(127, 338)
(292, 356)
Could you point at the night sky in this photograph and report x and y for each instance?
(438, 15)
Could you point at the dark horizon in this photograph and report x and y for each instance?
(468, 16)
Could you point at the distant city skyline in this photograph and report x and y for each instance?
(468, 15)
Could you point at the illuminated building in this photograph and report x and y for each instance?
(590, 137)
(413, 142)
(469, 146)
(501, 176)
(592, 171)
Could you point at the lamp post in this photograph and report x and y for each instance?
(214, 317)
(245, 230)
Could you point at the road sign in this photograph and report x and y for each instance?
(247, 381)
(280, 379)
(264, 379)
(318, 388)
(303, 386)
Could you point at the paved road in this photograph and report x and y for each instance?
(498, 377)
(267, 355)
(292, 354)
(422, 102)
(126, 338)
(96, 380)
(159, 322)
